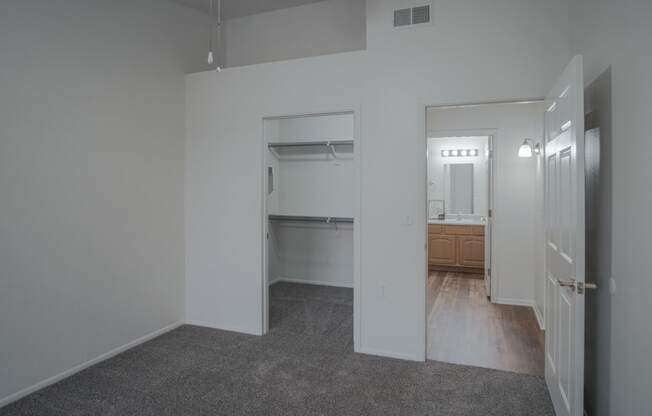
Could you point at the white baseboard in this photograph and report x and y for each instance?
(311, 282)
(67, 373)
(241, 330)
(521, 302)
(539, 315)
(388, 354)
(513, 302)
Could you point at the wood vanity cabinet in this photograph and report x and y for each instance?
(453, 247)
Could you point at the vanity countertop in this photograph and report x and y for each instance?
(452, 221)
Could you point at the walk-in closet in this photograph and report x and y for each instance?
(310, 210)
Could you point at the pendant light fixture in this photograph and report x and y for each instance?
(211, 59)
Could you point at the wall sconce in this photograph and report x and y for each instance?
(527, 149)
(460, 153)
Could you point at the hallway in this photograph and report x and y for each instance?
(465, 328)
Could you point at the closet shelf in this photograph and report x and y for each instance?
(322, 143)
(325, 220)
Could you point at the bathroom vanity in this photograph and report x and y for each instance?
(456, 246)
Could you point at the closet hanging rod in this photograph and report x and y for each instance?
(325, 220)
(304, 144)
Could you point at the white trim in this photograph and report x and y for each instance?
(67, 373)
(276, 280)
(539, 316)
(240, 330)
(311, 282)
(520, 302)
(356, 110)
(389, 354)
(514, 302)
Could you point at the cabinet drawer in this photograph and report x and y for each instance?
(434, 228)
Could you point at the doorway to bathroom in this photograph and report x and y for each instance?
(459, 207)
(484, 239)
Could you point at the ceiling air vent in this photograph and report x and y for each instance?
(412, 16)
(402, 17)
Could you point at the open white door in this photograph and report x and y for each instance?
(490, 220)
(564, 195)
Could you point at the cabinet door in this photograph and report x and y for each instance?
(471, 251)
(441, 249)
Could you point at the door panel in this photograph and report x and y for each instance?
(551, 321)
(564, 196)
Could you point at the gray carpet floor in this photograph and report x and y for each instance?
(304, 366)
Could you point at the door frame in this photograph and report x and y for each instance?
(491, 135)
(356, 110)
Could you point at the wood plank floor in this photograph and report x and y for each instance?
(465, 328)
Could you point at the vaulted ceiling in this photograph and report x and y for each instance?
(238, 8)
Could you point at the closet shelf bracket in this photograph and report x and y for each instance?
(332, 149)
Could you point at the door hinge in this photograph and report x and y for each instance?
(491, 213)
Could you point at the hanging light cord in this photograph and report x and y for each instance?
(210, 34)
(219, 30)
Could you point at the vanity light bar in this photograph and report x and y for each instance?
(460, 153)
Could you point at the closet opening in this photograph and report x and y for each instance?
(310, 219)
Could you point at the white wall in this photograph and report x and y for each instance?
(617, 35)
(91, 178)
(514, 201)
(522, 45)
(309, 180)
(309, 30)
(312, 253)
(224, 157)
(437, 176)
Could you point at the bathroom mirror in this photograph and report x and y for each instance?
(459, 187)
(458, 178)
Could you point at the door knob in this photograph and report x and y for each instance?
(575, 286)
(571, 284)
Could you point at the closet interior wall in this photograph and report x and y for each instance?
(310, 177)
